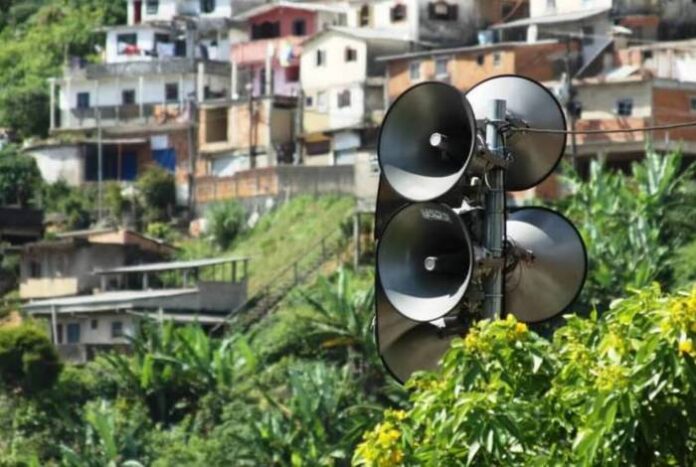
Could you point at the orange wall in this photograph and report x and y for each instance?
(674, 106)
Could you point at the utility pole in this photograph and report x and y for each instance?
(571, 107)
(252, 147)
(299, 126)
(100, 156)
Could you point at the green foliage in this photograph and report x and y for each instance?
(684, 265)
(36, 38)
(20, 179)
(113, 199)
(28, 360)
(615, 390)
(171, 368)
(631, 225)
(76, 205)
(226, 220)
(158, 192)
(162, 231)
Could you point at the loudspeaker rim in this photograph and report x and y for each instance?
(560, 109)
(472, 149)
(585, 256)
(470, 250)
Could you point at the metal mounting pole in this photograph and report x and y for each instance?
(494, 222)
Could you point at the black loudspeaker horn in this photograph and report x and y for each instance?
(426, 141)
(425, 260)
(529, 104)
(404, 345)
(546, 281)
(388, 202)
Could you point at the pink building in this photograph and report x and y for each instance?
(269, 63)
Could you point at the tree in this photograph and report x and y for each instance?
(619, 389)
(28, 360)
(20, 179)
(225, 222)
(156, 186)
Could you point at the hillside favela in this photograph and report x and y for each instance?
(346, 232)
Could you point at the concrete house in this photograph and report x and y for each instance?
(203, 291)
(64, 266)
(343, 92)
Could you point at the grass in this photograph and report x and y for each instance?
(281, 236)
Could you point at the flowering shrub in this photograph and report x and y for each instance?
(614, 390)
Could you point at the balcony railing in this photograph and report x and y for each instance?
(130, 114)
(255, 51)
(168, 66)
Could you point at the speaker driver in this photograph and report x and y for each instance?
(546, 280)
(535, 155)
(425, 261)
(426, 141)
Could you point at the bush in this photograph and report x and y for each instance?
(28, 361)
(161, 231)
(615, 390)
(156, 186)
(75, 204)
(20, 179)
(225, 222)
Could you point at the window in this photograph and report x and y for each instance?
(441, 67)
(309, 102)
(128, 97)
(398, 13)
(94, 324)
(321, 100)
(364, 16)
(59, 333)
(171, 92)
(73, 332)
(35, 269)
(127, 44)
(414, 69)
(299, 27)
(292, 74)
(207, 6)
(480, 59)
(692, 104)
(647, 54)
(624, 107)
(344, 99)
(497, 59)
(83, 100)
(152, 6)
(587, 35)
(321, 57)
(265, 30)
(443, 11)
(351, 54)
(116, 329)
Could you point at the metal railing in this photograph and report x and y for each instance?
(273, 291)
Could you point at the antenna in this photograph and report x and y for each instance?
(449, 252)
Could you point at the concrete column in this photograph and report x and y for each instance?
(200, 82)
(68, 101)
(268, 85)
(141, 96)
(54, 325)
(233, 80)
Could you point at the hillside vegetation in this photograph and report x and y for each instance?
(282, 236)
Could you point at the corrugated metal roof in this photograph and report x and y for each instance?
(171, 266)
(183, 317)
(315, 7)
(553, 19)
(110, 299)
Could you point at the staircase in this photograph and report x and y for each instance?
(308, 264)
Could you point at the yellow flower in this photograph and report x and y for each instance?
(686, 347)
(520, 329)
(398, 414)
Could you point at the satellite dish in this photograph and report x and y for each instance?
(426, 141)
(407, 346)
(546, 283)
(534, 155)
(425, 261)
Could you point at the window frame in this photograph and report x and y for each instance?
(351, 54)
(128, 92)
(151, 7)
(622, 104)
(295, 29)
(398, 13)
(73, 333)
(344, 99)
(440, 60)
(320, 58)
(412, 66)
(692, 104)
(207, 6)
(119, 40)
(83, 100)
(117, 329)
(167, 89)
(450, 13)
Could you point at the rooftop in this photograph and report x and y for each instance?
(107, 301)
(465, 49)
(171, 266)
(315, 7)
(361, 33)
(553, 19)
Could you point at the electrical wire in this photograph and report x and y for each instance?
(603, 132)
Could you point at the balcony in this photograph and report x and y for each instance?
(168, 66)
(254, 52)
(133, 115)
(48, 287)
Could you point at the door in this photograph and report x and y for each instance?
(138, 11)
(129, 166)
(73, 333)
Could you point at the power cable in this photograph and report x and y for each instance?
(597, 132)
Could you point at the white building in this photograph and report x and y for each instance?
(343, 91)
